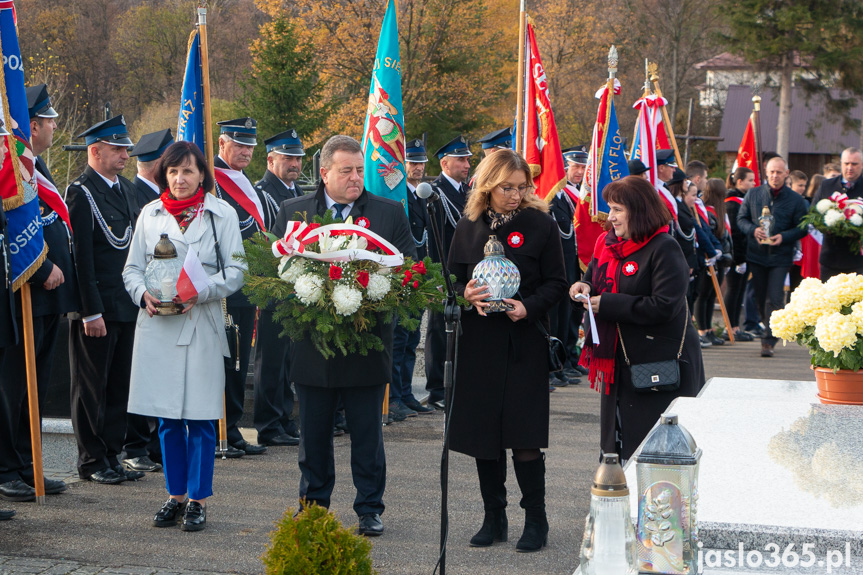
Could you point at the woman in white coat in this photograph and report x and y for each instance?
(177, 364)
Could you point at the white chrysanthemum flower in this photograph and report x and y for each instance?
(845, 289)
(295, 270)
(833, 217)
(856, 220)
(823, 205)
(836, 332)
(347, 300)
(786, 323)
(379, 286)
(309, 289)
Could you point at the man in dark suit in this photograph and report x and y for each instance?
(237, 141)
(274, 398)
(54, 292)
(102, 211)
(836, 255)
(450, 185)
(8, 327)
(147, 151)
(562, 208)
(142, 448)
(403, 404)
(359, 380)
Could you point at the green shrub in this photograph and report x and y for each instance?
(316, 543)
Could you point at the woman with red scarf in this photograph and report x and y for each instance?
(177, 363)
(636, 286)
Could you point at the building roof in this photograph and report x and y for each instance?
(729, 61)
(828, 135)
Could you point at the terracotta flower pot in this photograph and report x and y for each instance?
(843, 387)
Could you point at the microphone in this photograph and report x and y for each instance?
(427, 192)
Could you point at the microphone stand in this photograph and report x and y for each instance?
(452, 318)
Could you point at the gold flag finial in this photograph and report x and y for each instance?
(653, 71)
(756, 102)
(612, 61)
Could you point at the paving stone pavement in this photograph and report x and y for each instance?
(106, 529)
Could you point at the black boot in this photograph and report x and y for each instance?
(531, 480)
(492, 486)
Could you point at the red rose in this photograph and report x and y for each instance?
(416, 284)
(419, 268)
(335, 272)
(363, 278)
(408, 276)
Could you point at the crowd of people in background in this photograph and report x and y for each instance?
(698, 240)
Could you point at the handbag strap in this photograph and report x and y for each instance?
(682, 339)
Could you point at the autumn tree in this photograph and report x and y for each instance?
(824, 35)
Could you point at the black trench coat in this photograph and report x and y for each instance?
(500, 399)
(650, 308)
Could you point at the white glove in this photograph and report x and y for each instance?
(717, 254)
(741, 269)
(712, 261)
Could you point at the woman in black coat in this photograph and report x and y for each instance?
(636, 282)
(740, 181)
(501, 397)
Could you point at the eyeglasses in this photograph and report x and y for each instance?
(509, 191)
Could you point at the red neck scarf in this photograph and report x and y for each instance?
(599, 359)
(184, 211)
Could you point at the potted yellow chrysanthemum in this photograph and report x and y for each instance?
(827, 318)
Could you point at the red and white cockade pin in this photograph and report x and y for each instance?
(629, 268)
(363, 222)
(515, 239)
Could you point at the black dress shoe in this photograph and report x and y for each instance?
(170, 513)
(337, 432)
(128, 473)
(231, 453)
(106, 477)
(581, 369)
(370, 525)
(52, 486)
(142, 463)
(195, 517)
(250, 448)
(417, 406)
(280, 440)
(17, 490)
(6, 514)
(438, 403)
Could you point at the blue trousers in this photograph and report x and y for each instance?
(187, 456)
(404, 358)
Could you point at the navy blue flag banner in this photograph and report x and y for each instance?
(190, 126)
(17, 182)
(384, 132)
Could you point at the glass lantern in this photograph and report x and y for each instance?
(499, 274)
(667, 471)
(161, 275)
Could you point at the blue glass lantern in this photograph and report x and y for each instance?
(499, 274)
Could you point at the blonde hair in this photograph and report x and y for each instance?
(493, 171)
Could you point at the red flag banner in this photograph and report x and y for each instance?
(542, 147)
(239, 188)
(747, 156)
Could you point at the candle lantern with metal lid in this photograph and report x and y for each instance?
(499, 274)
(161, 275)
(608, 546)
(765, 222)
(667, 471)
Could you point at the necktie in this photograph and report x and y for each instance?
(116, 188)
(338, 210)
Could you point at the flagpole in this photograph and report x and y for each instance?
(756, 133)
(27, 316)
(208, 151)
(644, 95)
(519, 105)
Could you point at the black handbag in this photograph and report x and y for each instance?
(656, 375)
(556, 351)
(232, 330)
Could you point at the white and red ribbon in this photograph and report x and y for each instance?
(238, 186)
(298, 235)
(49, 194)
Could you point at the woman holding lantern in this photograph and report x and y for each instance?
(180, 342)
(501, 397)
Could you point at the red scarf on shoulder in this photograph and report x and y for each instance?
(184, 211)
(599, 359)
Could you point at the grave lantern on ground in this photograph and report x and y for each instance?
(667, 470)
(608, 546)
